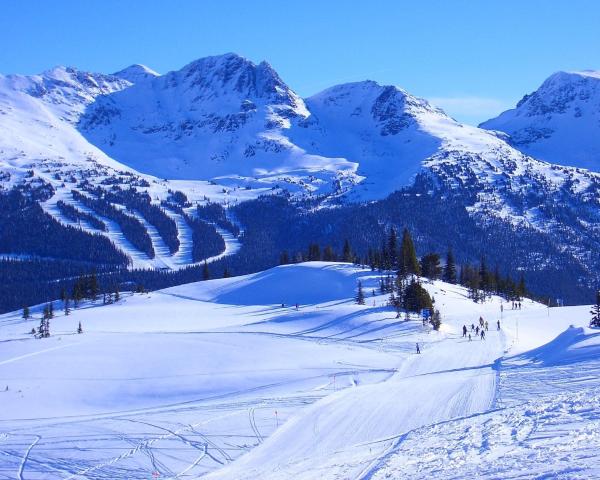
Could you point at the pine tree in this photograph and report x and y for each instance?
(596, 312)
(226, 273)
(79, 329)
(51, 310)
(94, 290)
(392, 248)
(205, 272)
(408, 264)
(347, 255)
(26, 314)
(117, 295)
(415, 297)
(360, 296)
(314, 252)
(521, 289)
(483, 276)
(284, 258)
(329, 254)
(450, 268)
(430, 266)
(66, 306)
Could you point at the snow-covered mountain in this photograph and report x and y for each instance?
(226, 129)
(218, 116)
(559, 122)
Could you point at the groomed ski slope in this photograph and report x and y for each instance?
(218, 380)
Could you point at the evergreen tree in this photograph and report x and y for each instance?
(521, 289)
(360, 296)
(408, 264)
(415, 297)
(329, 254)
(483, 276)
(117, 294)
(392, 249)
(284, 258)
(66, 306)
(26, 314)
(314, 252)
(430, 266)
(79, 329)
(51, 310)
(347, 255)
(205, 272)
(93, 287)
(596, 312)
(226, 273)
(450, 268)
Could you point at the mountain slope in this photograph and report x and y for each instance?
(227, 130)
(220, 380)
(559, 122)
(218, 116)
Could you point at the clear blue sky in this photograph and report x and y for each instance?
(474, 58)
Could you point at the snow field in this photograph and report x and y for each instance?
(218, 379)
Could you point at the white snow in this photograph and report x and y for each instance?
(219, 379)
(558, 122)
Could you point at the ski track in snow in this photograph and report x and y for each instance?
(329, 391)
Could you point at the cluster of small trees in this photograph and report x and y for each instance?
(132, 228)
(406, 294)
(482, 283)
(77, 215)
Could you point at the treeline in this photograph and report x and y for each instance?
(400, 257)
(154, 214)
(133, 230)
(25, 228)
(215, 213)
(206, 241)
(77, 215)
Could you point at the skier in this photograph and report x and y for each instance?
(482, 334)
(486, 326)
(472, 326)
(477, 330)
(464, 331)
(498, 324)
(418, 349)
(469, 337)
(481, 321)
(519, 305)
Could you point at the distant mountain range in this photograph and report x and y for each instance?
(228, 130)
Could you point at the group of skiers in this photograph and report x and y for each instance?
(479, 330)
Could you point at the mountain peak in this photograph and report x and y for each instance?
(557, 122)
(136, 73)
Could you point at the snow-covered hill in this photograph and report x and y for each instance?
(219, 379)
(559, 122)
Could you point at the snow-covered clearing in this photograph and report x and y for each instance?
(219, 379)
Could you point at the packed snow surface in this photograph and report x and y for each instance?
(229, 379)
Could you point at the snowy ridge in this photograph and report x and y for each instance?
(330, 390)
(558, 122)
